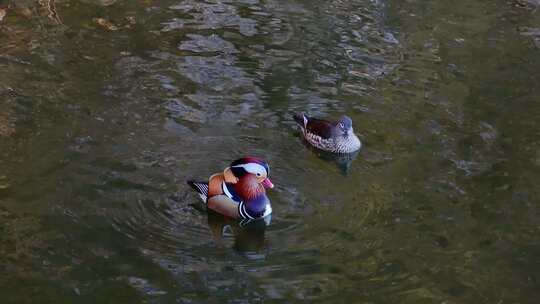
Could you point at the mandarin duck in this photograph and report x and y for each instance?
(335, 137)
(239, 192)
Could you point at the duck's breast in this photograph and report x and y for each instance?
(256, 207)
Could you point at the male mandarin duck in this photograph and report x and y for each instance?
(335, 137)
(239, 192)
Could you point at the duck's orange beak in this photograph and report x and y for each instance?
(267, 183)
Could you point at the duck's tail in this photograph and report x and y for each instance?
(201, 188)
(301, 119)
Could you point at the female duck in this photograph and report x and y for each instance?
(335, 137)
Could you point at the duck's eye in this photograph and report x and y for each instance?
(259, 175)
(341, 125)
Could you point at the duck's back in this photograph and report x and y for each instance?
(319, 127)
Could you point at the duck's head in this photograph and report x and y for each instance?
(345, 125)
(252, 168)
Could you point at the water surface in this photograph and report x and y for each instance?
(108, 107)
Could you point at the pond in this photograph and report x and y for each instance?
(110, 106)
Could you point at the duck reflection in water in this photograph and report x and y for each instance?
(249, 235)
(342, 160)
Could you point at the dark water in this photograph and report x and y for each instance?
(108, 107)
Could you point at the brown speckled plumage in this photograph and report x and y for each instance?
(328, 136)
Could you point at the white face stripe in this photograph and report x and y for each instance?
(253, 168)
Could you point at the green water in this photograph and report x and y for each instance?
(108, 107)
